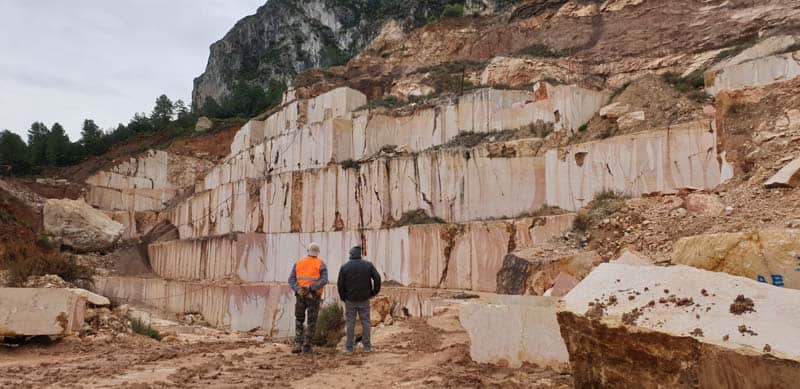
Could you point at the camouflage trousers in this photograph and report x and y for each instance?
(306, 306)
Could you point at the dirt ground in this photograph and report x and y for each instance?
(432, 353)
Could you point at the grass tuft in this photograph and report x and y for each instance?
(330, 326)
(139, 327)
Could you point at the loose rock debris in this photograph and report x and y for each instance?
(742, 305)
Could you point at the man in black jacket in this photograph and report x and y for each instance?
(358, 282)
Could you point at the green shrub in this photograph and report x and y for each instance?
(139, 327)
(386, 102)
(23, 261)
(581, 222)
(692, 85)
(729, 53)
(607, 194)
(350, 164)
(453, 11)
(542, 51)
(330, 326)
(47, 241)
(605, 203)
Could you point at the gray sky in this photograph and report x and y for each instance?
(67, 60)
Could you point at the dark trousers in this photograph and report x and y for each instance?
(302, 306)
(360, 308)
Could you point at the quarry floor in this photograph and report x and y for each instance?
(432, 353)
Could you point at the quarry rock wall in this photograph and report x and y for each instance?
(431, 213)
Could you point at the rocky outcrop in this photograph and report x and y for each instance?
(533, 271)
(756, 69)
(679, 327)
(770, 256)
(285, 37)
(133, 191)
(80, 226)
(787, 177)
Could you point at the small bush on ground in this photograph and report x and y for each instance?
(453, 11)
(330, 326)
(139, 327)
(605, 203)
(23, 261)
(541, 51)
(692, 85)
(607, 194)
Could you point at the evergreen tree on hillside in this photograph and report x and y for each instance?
(181, 109)
(162, 112)
(183, 114)
(14, 157)
(37, 144)
(58, 147)
(92, 138)
(119, 135)
(140, 124)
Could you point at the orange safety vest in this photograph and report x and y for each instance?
(308, 270)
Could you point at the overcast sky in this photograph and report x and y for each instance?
(67, 60)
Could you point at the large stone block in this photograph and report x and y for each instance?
(771, 256)
(30, 312)
(514, 330)
(80, 226)
(532, 271)
(663, 161)
(648, 326)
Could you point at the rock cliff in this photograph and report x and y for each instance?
(285, 37)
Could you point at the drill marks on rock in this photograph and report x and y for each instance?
(296, 216)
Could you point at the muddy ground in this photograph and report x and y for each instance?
(412, 353)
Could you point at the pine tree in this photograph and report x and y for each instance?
(58, 147)
(140, 124)
(162, 112)
(92, 138)
(14, 157)
(37, 144)
(181, 109)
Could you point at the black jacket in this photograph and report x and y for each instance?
(358, 281)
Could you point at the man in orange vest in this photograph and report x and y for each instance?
(308, 279)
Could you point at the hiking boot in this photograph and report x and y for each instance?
(367, 349)
(297, 349)
(348, 351)
(307, 349)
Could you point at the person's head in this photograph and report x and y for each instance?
(313, 250)
(355, 252)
